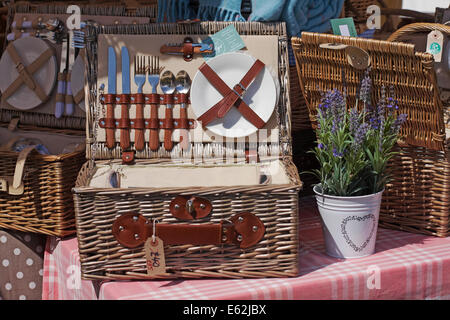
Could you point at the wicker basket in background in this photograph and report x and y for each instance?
(418, 198)
(423, 29)
(46, 206)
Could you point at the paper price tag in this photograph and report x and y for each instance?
(154, 253)
(435, 42)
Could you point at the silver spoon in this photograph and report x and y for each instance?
(167, 84)
(183, 84)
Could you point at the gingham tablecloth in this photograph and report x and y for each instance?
(405, 266)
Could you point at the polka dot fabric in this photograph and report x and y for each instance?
(21, 265)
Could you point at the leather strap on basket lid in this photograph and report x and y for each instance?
(232, 96)
(26, 73)
(244, 230)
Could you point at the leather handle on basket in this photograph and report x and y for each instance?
(243, 230)
(14, 185)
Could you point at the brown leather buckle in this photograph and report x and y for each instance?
(128, 157)
(190, 208)
(243, 230)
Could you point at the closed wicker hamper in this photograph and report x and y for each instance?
(418, 198)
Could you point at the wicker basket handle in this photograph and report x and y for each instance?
(243, 230)
(418, 27)
(14, 185)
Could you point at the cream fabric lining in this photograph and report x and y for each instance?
(176, 175)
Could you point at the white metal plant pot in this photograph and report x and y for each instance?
(349, 224)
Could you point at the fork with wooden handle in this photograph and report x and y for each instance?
(139, 78)
(153, 78)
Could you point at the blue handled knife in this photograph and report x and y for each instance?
(112, 72)
(125, 132)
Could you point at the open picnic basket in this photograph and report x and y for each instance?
(418, 197)
(35, 187)
(190, 191)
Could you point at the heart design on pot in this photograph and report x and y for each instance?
(350, 242)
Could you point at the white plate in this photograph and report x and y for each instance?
(77, 79)
(261, 95)
(29, 49)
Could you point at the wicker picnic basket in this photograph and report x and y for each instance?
(418, 198)
(443, 77)
(98, 210)
(35, 189)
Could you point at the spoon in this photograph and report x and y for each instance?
(167, 84)
(183, 84)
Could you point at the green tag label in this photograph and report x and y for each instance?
(226, 40)
(344, 27)
(435, 48)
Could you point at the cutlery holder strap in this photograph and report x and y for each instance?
(175, 123)
(145, 99)
(244, 230)
(26, 73)
(139, 98)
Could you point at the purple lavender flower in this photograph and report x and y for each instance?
(337, 154)
(333, 107)
(321, 146)
(401, 119)
(354, 120)
(365, 88)
(360, 135)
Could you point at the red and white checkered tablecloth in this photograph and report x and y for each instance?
(62, 273)
(405, 266)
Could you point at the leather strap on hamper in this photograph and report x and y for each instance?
(14, 185)
(26, 73)
(232, 96)
(243, 230)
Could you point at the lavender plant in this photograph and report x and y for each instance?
(355, 144)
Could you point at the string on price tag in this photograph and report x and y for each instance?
(154, 253)
(435, 42)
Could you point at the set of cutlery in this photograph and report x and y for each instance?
(64, 96)
(187, 49)
(52, 30)
(174, 91)
(69, 42)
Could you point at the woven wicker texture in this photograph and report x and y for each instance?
(421, 28)
(103, 258)
(410, 73)
(276, 255)
(46, 206)
(417, 200)
(300, 114)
